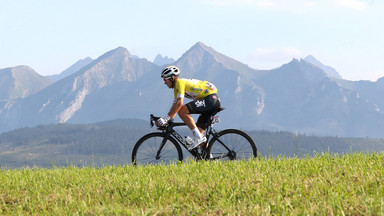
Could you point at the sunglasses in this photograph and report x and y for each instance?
(165, 79)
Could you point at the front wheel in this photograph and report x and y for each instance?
(231, 144)
(146, 150)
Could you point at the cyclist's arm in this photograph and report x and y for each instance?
(176, 107)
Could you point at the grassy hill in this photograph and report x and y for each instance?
(321, 185)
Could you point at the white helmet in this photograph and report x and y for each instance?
(169, 71)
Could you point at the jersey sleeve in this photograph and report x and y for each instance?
(179, 90)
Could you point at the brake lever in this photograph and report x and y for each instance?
(151, 120)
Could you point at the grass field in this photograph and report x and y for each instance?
(351, 184)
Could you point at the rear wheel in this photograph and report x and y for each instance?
(232, 144)
(145, 150)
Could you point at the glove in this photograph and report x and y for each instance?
(163, 120)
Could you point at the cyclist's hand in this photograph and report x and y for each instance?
(162, 121)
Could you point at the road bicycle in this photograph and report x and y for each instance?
(165, 147)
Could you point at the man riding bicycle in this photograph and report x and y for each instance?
(205, 102)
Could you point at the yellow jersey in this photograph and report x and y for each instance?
(193, 89)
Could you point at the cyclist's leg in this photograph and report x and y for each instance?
(202, 122)
(184, 114)
(190, 122)
(203, 106)
(193, 107)
(202, 125)
(212, 104)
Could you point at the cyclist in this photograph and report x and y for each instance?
(205, 101)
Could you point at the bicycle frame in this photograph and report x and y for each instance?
(170, 132)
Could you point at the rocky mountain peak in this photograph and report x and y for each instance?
(115, 66)
(201, 57)
(331, 72)
(119, 52)
(299, 71)
(160, 60)
(20, 81)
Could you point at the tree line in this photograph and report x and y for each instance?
(118, 138)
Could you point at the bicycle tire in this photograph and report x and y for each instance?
(240, 145)
(145, 150)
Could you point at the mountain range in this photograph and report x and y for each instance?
(303, 95)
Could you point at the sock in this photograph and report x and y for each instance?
(196, 133)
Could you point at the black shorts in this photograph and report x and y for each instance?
(206, 107)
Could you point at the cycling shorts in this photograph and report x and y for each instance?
(206, 107)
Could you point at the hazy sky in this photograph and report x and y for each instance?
(51, 35)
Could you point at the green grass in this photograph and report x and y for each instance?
(352, 184)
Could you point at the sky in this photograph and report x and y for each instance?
(51, 35)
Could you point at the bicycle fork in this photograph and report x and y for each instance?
(161, 147)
